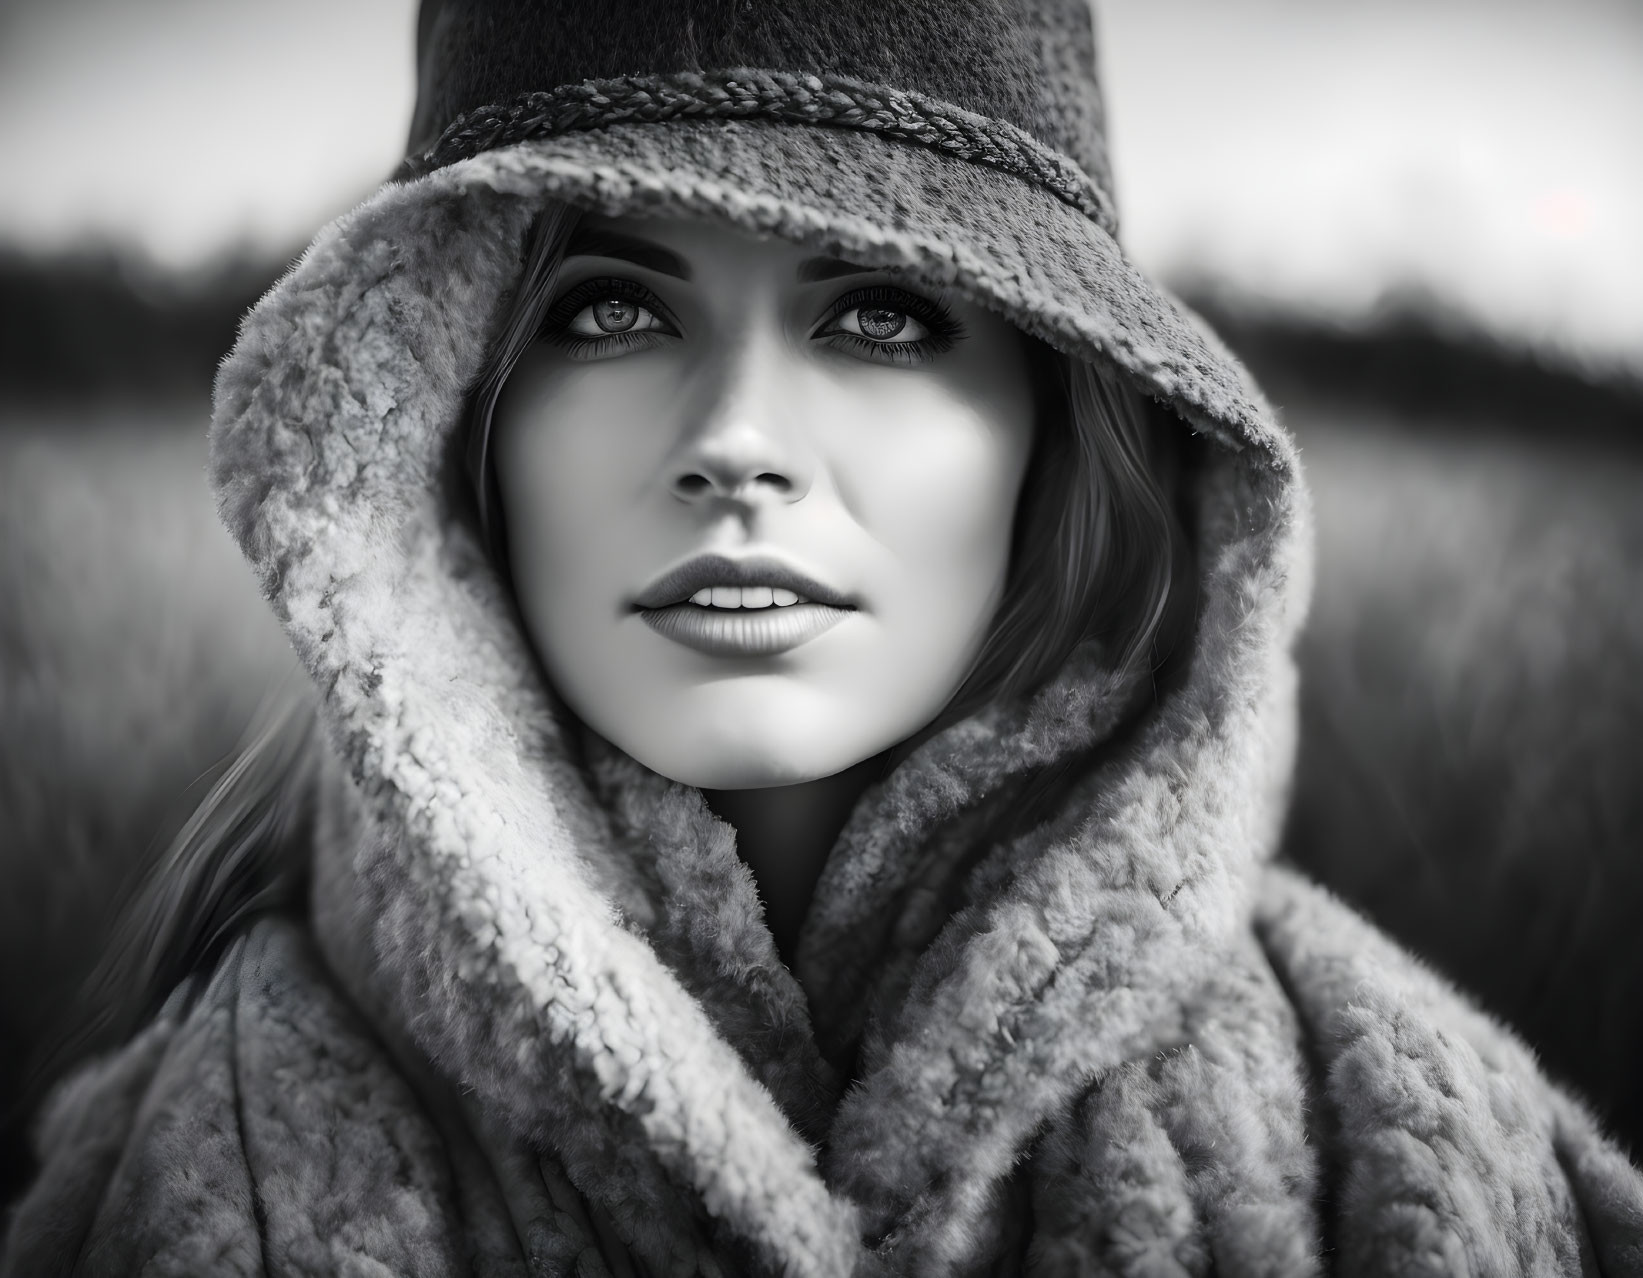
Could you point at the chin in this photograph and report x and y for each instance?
(747, 760)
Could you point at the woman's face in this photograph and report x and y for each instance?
(827, 432)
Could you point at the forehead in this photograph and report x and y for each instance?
(683, 248)
(680, 234)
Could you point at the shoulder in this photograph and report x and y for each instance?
(1443, 1139)
(256, 1117)
(1323, 1093)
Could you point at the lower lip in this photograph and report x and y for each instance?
(743, 632)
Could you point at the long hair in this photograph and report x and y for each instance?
(240, 853)
(1098, 550)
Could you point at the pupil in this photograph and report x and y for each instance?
(879, 323)
(615, 315)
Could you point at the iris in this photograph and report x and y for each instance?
(879, 323)
(615, 315)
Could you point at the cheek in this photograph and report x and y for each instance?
(569, 450)
(932, 473)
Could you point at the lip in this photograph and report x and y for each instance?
(679, 583)
(742, 632)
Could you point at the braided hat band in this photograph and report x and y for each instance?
(832, 101)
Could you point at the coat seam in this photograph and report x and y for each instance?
(1318, 1113)
(1582, 1221)
(258, 1212)
(108, 1182)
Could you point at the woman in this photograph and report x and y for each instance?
(929, 926)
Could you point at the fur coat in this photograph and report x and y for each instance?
(533, 1023)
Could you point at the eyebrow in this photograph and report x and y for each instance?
(626, 248)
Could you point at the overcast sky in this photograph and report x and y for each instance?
(189, 127)
(1303, 155)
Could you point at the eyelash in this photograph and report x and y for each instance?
(944, 328)
(556, 324)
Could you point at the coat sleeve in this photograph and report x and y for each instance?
(255, 1129)
(1193, 1160)
(141, 1164)
(79, 1137)
(1447, 1150)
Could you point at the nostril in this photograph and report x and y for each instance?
(694, 484)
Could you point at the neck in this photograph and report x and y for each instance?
(784, 834)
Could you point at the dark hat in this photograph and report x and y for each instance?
(960, 138)
(1011, 85)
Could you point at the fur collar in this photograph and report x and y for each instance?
(571, 939)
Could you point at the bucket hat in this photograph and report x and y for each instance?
(833, 124)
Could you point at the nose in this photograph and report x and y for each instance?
(739, 466)
(744, 440)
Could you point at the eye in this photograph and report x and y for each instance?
(613, 315)
(602, 317)
(881, 324)
(890, 325)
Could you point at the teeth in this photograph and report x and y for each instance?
(745, 597)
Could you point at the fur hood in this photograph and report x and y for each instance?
(534, 1023)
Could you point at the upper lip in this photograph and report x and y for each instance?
(680, 582)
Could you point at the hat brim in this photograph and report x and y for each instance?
(994, 237)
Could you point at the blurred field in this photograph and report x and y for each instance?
(1471, 770)
(133, 649)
